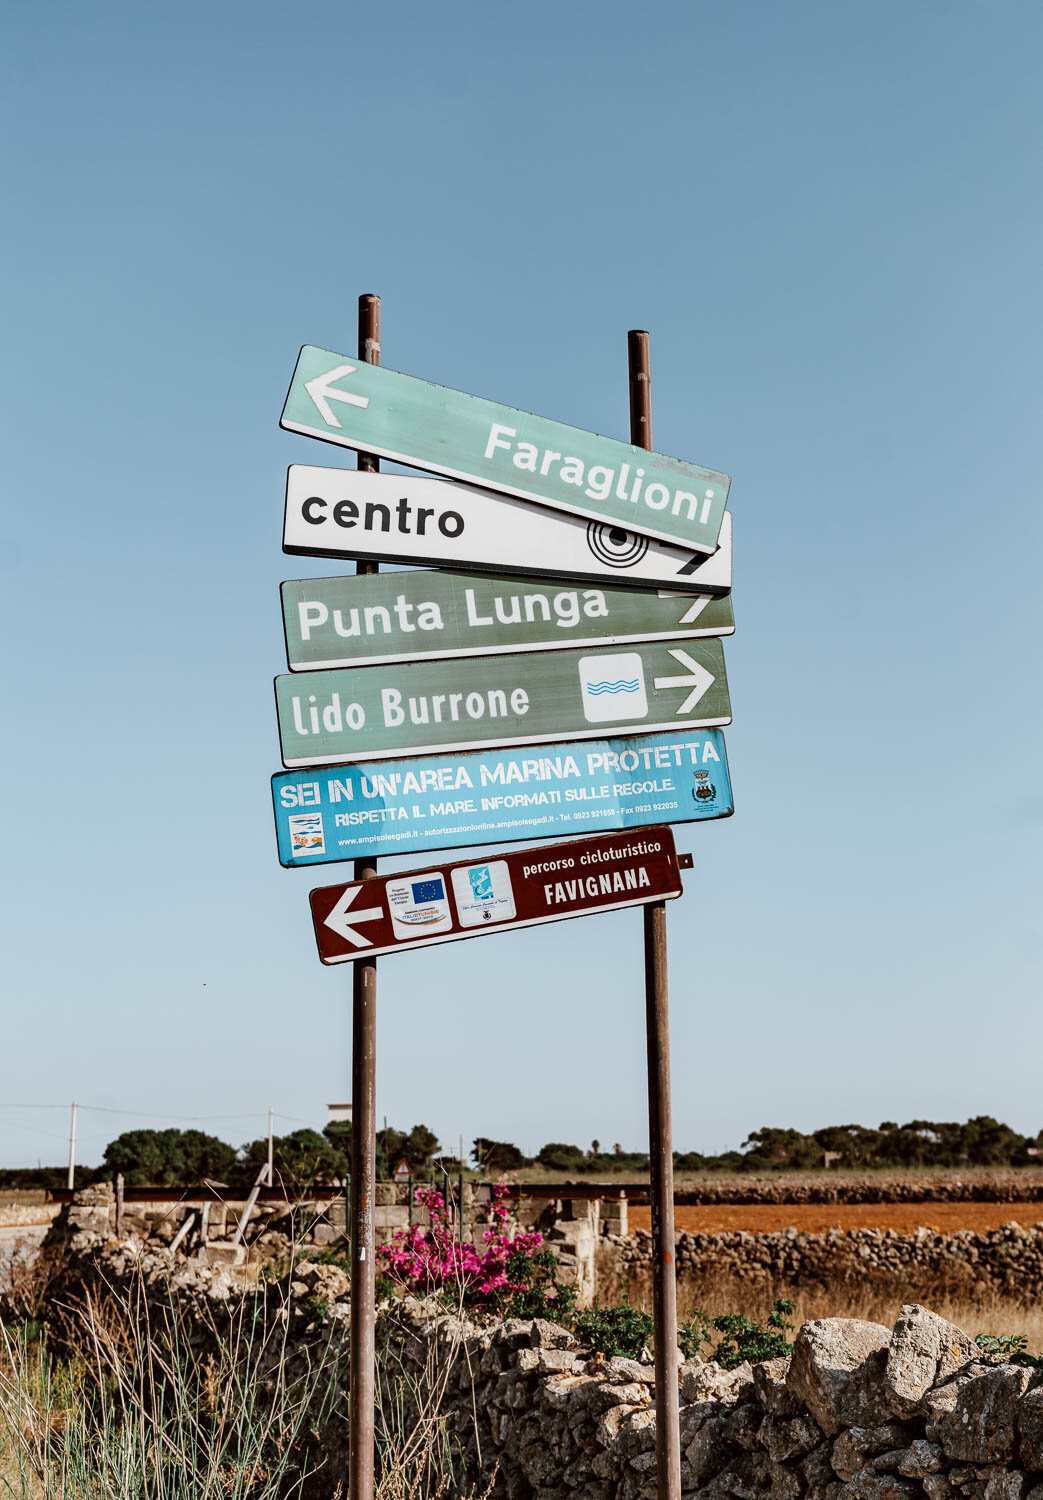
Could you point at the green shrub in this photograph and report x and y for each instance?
(541, 1294)
(740, 1338)
(623, 1330)
(1013, 1345)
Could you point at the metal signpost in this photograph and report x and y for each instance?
(614, 680)
(497, 447)
(403, 617)
(362, 1388)
(327, 815)
(409, 518)
(364, 713)
(660, 1124)
(522, 888)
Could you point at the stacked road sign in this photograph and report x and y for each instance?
(555, 669)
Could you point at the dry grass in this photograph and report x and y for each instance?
(989, 1313)
(124, 1394)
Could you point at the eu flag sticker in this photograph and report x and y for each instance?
(419, 903)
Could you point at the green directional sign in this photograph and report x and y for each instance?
(389, 617)
(364, 713)
(371, 408)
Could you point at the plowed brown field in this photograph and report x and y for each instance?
(766, 1218)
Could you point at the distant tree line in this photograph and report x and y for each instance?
(181, 1158)
(981, 1142)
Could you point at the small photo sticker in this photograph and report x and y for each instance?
(306, 834)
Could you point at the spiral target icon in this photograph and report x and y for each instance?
(615, 547)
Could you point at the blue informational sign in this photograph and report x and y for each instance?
(323, 815)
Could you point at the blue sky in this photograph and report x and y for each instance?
(828, 216)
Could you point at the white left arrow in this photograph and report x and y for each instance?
(320, 392)
(338, 918)
(698, 680)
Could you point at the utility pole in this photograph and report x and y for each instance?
(271, 1151)
(72, 1146)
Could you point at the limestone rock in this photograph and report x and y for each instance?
(553, 1361)
(942, 1399)
(788, 1437)
(610, 1423)
(837, 1372)
(769, 1384)
(869, 1486)
(705, 1382)
(546, 1335)
(516, 1333)
(1030, 1429)
(622, 1369)
(922, 1458)
(693, 1417)
(889, 1462)
(604, 1394)
(819, 1478)
(854, 1448)
(980, 1429)
(709, 1450)
(924, 1349)
(936, 1486)
(743, 1425)
(743, 1477)
(1010, 1485)
(782, 1483)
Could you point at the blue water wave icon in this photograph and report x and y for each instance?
(622, 685)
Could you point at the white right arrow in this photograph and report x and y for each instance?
(695, 608)
(338, 918)
(320, 392)
(699, 680)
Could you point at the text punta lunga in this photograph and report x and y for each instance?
(567, 608)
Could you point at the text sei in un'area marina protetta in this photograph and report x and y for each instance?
(456, 777)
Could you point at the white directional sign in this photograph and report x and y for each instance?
(433, 522)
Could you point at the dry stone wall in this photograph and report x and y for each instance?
(1007, 1261)
(859, 1411)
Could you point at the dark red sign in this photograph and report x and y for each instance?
(522, 888)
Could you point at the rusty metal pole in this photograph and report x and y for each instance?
(363, 1110)
(660, 1129)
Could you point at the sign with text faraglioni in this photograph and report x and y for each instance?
(521, 888)
(377, 410)
(532, 698)
(412, 518)
(392, 617)
(499, 796)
